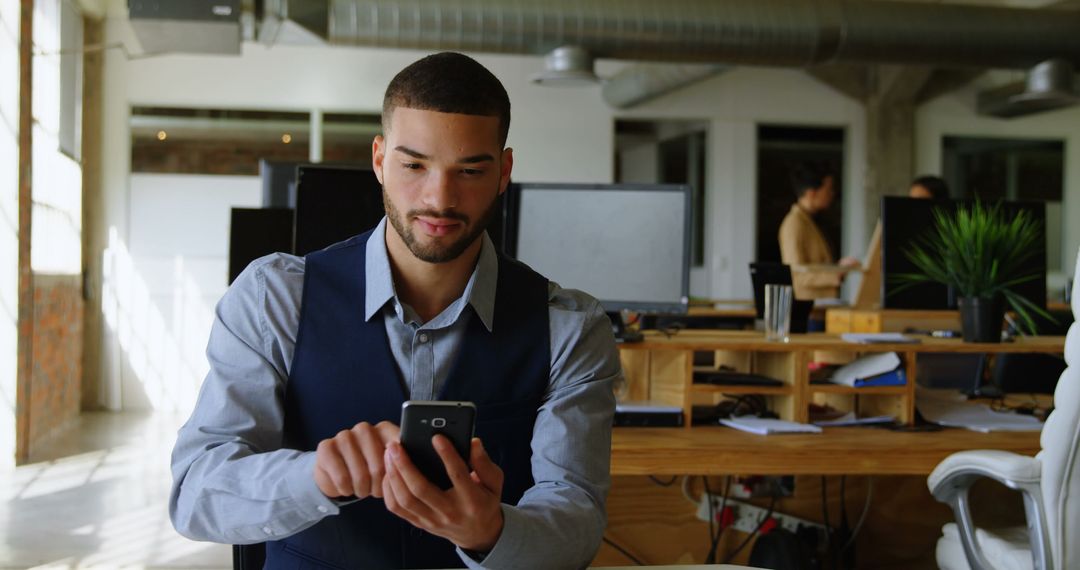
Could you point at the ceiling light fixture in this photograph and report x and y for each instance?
(567, 66)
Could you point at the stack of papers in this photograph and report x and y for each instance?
(850, 419)
(879, 338)
(951, 409)
(766, 426)
(871, 370)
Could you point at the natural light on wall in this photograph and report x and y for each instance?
(163, 357)
(57, 212)
(9, 222)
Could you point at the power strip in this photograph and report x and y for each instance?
(747, 517)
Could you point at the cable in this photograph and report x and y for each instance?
(764, 519)
(825, 516)
(710, 558)
(664, 483)
(637, 561)
(862, 517)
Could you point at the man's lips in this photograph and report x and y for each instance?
(437, 226)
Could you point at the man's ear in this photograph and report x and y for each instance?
(378, 154)
(506, 165)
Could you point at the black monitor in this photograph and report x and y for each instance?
(278, 182)
(905, 220)
(628, 245)
(334, 203)
(255, 232)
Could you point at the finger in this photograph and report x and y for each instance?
(350, 451)
(373, 451)
(392, 504)
(388, 431)
(410, 507)
(330, 462)
(455, 465)
(489, 474)
(419, 487)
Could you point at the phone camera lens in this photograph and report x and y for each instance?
(438, 422)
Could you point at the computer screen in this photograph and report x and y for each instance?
(333, 204)
(255, 232)
(628, 245)
(904, 220)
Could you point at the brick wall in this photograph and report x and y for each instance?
(57, 374)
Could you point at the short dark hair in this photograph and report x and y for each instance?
(937, 187)
(448, 82)
(808, 177)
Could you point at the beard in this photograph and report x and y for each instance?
(437, 252)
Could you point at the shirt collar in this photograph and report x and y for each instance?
(479, 292)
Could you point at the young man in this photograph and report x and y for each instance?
(294, 440)
(801, 241)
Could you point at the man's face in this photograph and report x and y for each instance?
(441, 174)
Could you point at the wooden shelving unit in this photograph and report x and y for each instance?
(662, 369)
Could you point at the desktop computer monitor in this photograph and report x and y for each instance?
(333, 204)
(628, 245)
(255, 232)
(905, 220)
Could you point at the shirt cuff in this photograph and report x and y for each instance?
(306, 494)
(507, 549)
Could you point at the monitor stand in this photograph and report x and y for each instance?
(618, 328)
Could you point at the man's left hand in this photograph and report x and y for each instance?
(469, 514)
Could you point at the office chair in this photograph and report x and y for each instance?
(248, 556)
(1049, 482)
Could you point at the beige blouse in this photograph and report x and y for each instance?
(802, 243)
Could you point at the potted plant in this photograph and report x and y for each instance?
(982, 254)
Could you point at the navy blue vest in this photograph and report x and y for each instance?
(343, 373)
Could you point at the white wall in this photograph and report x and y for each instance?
(9, 224)
(953, 115)
(161, 284)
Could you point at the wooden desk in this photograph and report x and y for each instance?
(846, 319)
(836, 451)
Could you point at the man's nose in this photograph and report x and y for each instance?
(440, 192)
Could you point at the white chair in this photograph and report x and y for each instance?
(1050, 483)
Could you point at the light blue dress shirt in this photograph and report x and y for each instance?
(234, 483)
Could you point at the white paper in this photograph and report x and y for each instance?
(879, 338)
(850, 419)
(866, 367)
(973, 416)
(766, 426)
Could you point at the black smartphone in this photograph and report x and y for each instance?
(421, 420)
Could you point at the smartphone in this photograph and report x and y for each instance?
(421, 420)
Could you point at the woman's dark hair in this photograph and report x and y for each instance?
(808, 177)
(935, 186)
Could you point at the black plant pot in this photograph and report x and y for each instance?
(981, 318)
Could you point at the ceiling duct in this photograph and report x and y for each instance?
(637, 84)
(1050, 85)
(792, 33)
(293, 22)
(194, 26)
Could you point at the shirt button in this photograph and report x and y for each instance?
(267, 530)
(322, 509)
(423, 337)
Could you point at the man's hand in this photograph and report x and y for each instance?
(351, 462)
(469, 514)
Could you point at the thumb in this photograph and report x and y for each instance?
(488, 474)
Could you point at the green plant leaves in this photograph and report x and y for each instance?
(980, 252)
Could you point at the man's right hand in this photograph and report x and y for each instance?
(351, 462)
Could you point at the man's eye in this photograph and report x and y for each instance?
(471, 171)
(411, 165)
